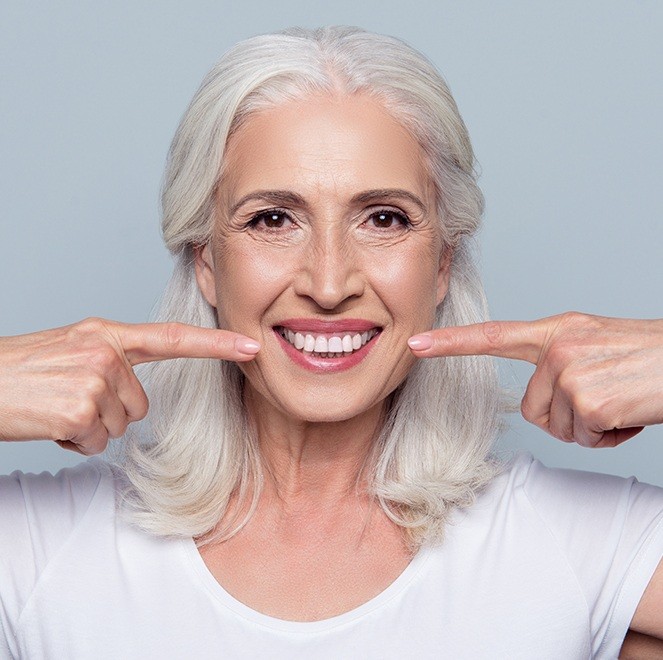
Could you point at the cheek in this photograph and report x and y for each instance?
(248, 281)
(408, 284)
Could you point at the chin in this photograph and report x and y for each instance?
(327, 413)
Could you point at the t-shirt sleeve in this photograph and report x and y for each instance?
(38, 513)
(610, 530)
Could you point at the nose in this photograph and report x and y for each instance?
(331, 270)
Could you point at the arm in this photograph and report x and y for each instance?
(641, 647)
(76, 384)
(648, 617)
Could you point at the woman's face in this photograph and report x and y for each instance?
(326, 250)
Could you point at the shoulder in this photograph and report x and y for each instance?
(39, 512)
(577, 507)
(39, 515)
(588, 543)
(561, 496)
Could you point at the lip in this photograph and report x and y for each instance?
(326, 365)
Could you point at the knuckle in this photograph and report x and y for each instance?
(580, 321)
(95, 448)
(95, 387)
(569, 383)
(572, 317)
(526, 410)
(493, 332)
(534, 416)
(104, 358)
(62, 430)
(141, 407)
(585, 438)
(90, 325)
(173, 334)
(83, 415)
(69, 446)
(120, 429)
(94, 443)
(590, 410)
(561, 432)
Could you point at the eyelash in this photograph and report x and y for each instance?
(258, 217)
(402, 217)
(255, 220)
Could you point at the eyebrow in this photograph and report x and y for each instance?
(388, 193)
(289, 198)
(279, 197)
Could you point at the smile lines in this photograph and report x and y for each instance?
(327, 346)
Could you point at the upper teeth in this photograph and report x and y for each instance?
(335, 345)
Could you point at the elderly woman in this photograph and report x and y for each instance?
(310, 488)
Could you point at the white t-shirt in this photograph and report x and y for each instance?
(546, 564)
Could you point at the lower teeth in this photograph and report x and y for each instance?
(326, 355)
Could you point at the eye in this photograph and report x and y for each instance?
(388, 219)
(271, 220)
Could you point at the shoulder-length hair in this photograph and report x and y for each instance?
(196, 452)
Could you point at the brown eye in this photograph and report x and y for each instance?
(270, 220)
(388, 220)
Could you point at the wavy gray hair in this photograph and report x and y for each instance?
(196, 453)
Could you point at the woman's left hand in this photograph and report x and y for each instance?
(598, 380)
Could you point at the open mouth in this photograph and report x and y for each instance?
(326, 344)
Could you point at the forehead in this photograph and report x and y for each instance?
(324, 144)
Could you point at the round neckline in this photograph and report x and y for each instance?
(218, 592)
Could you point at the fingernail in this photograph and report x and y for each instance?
(420, 342)
(247, 346)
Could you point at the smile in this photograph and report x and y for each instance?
(327, 345)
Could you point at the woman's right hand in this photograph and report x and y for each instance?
(76, 385)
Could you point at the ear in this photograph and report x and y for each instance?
(205, 272)
(443, 274)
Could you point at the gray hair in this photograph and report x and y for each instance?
(196, 452)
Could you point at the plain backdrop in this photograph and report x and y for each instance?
(563, 100)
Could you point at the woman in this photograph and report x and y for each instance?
(320, 491)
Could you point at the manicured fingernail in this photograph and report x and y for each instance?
(247, 346)
(420, 342)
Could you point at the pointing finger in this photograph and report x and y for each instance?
(520, 340)
(148, 342)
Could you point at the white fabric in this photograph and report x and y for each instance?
(546, 564)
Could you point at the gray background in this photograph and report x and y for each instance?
(563, 101)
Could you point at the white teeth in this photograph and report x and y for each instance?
(309, 343)
(335, 345)
(331, 347)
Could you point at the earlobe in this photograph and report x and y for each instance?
(443, 275)
(205, 273)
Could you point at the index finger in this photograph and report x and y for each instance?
(520, 340)
(148, 342)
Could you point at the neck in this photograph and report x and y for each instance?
(312, 463)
